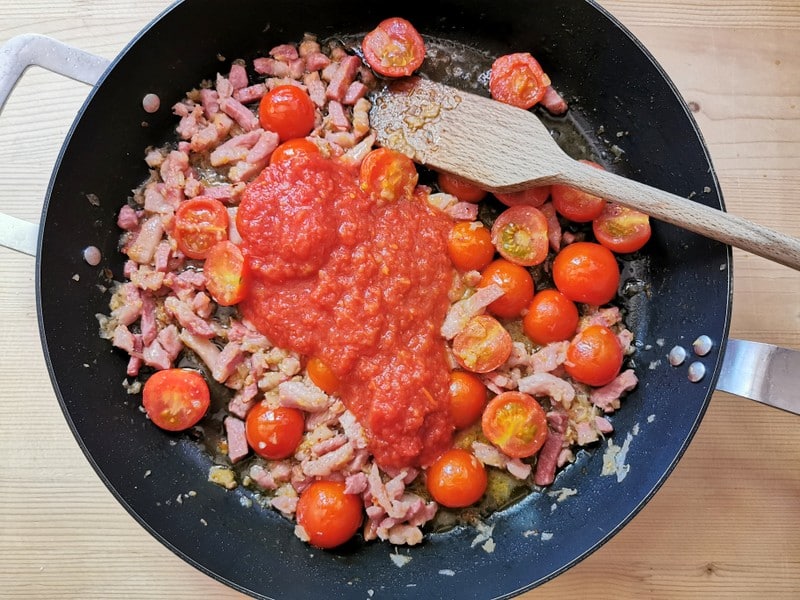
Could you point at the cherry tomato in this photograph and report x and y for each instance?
(227, 274)
(322, 376)
(461, 189)
(200, 223)
(394, 48)
(518, 79)
(328, 515)
(520, 235)
(551, 317)
(483, 344)
(456, 479)
(621, 229)
(175, 399)
(577, 205)
(515, 423)
(535, 197)
(291, 148)
(388, 175)
(467, 398)
(594, 356)
(586, 272)
(469, 246)
(274, 433)
(515, 281)
(288, 111)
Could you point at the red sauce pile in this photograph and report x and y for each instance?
(362, 287)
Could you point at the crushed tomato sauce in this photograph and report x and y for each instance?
(362, 286)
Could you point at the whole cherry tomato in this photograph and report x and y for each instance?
(456, 479)
(594, 356)
(288, 111)
(274, 433)
(328, 515)
(586, 272)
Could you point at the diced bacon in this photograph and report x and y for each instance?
(212, 135)
(355, 155)
(228, 361)
(131, 307)
(251, 93)
(338, 118)
(296, 68)
(462, 211)
(548, 458)
(238, 76)
(237, 441)
(355, 91)
(329, 445)
(170, 341)
(342, 77)
(545, 384)
(202, 346)
(558, 420)
(403, 534)
(548, 358)
(328, 417)
(553, 225)
(602, 316)
(224, 88)
(244, 170)
(308, 46)
(328, 463)
(586, 434)
(235, 149)
(441, 201)
(518, 469)
(603, 425)
(239, 113)
(625, 338)
(189, 320)
(134, 364)
(154, 158)
(303, 395)
(355, 483)
(285, 504)
(143, 247)
(192, 120)
(316, 88)
(161, 258)
(284, 52)
(262, 477)
(173, 169)
(607, 397)
(459, 314)
(224, 192)
(316, 61)
(127, 218)
(489, 455)
(342, 139)
(147, 324)
(210, 100)
(353, 429)
(155, 356)
(553, 102)
(123, 339)
(263, 148)
(193, 187)
(361, 110)
(243, 400)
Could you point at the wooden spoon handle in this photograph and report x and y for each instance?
(696, 217)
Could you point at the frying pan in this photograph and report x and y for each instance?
(255, 550)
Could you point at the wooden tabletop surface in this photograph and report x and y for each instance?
(725, 525)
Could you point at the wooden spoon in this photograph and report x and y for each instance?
(502, 148)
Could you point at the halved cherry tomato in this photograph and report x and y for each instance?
(467, 398)
(175, 399)
(274, 433)
(456, 479)
(551, 317)
(288, 111)
(227, 274)
(394, 48)
(295, 147)
(515, 281)
(483, 344)
(200, 223)
(388, 175)
(577, 205)
(469, 246)
(322, 376)
(520, 235)
(535, 197)
(518, 79)
(328, 515)
(461, 189)
(586, 272)
(594, 356)
(515, 423)
(622, 229)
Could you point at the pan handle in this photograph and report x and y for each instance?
(16, 56)
(762, 372)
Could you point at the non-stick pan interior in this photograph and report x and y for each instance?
(631, 119)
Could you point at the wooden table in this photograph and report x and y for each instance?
(726, 523)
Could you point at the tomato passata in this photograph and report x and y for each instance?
(394, 48)
(175, 399)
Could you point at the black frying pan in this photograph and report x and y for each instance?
(612, 84)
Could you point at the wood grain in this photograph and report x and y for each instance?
(725, 525)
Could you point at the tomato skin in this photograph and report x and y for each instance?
(577, 205)
(227, 273)
(292, 148)
(467, 398)
(518, 79)
(461, 189)
(388, 175)
(535, 197)
(288, 111)
(594, 356)
(516, 423)
(622, 229)
(520, 235)
(175, 399)
(328, 515)
(456, 479)
(586, 272)
(322, 376)
(551, 317)
(483, 344)
(274, 433)
(200, 222)
(394, 48)
(469, 245)
(515, 281)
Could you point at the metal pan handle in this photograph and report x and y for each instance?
(16, 56)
